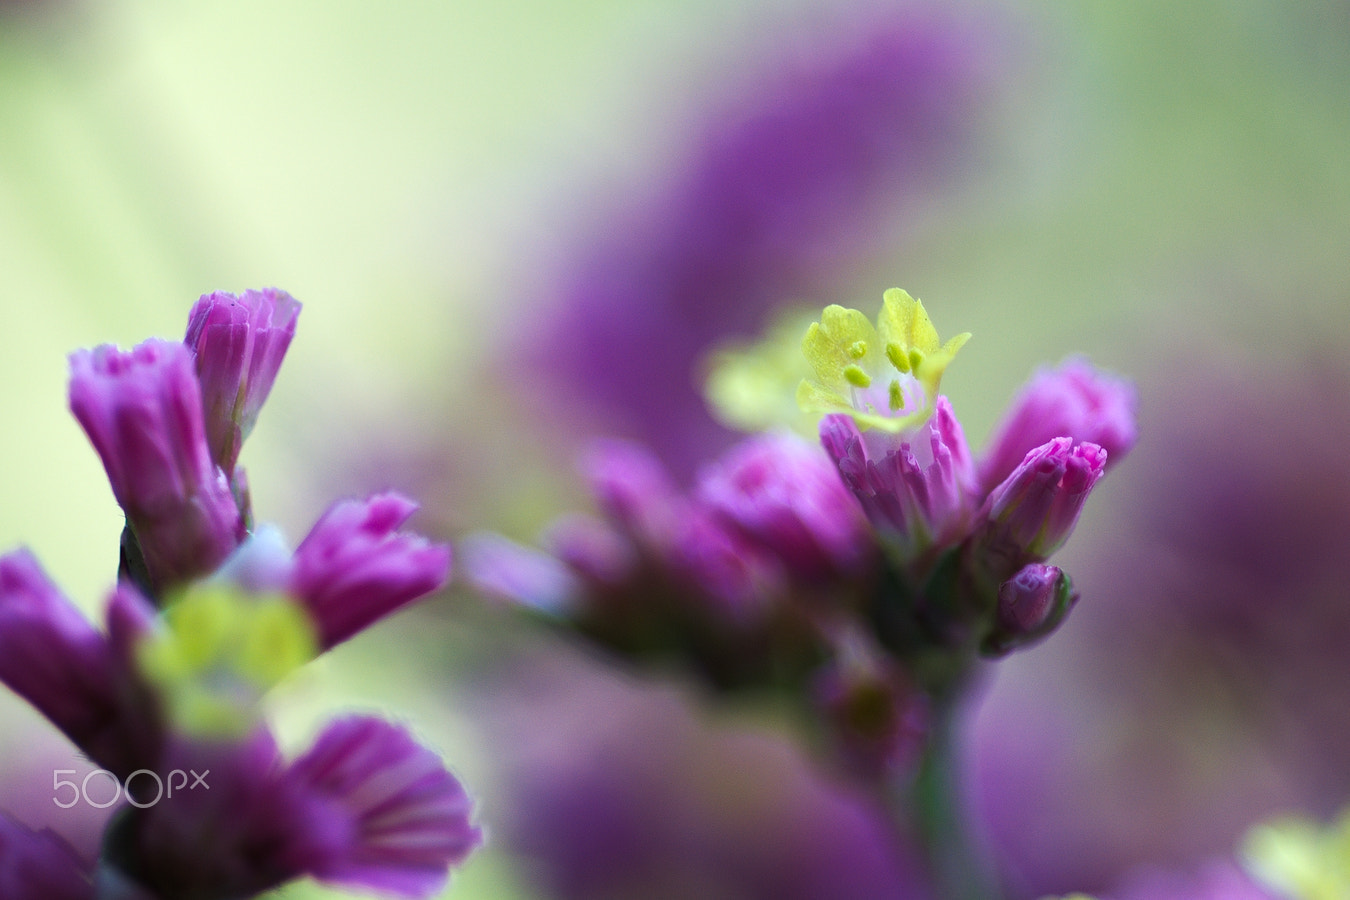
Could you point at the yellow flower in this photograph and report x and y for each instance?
(885, 376)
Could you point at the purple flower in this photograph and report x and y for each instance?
(919, 488)
(1031, 604)
(39, 865)
(736, 579)
(784, 495)
(238, 343)
(634, 491)
(142, 410)
(56, 660)
(592, 548)
(355, 568)
(1075, 400)
(404, 818)
(1035, 508)
(502, 568)
(366, 806)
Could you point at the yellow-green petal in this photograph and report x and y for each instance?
(904, 321)
(830, 345)
(752, 387)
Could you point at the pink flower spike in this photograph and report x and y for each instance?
(238, 344)
(1074, 400)
(142, 410)
(407, 819)
(355, 568)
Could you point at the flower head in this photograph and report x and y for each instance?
(142, 410)
(1075, 400)
(783, 494)
(884, 377)
(238, 344)
(355, 567)
(918, 489)
(1031, 604)
(1034, 510)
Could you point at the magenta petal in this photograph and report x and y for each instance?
(408, 819)
(54, 658)
(142, 411)
(1036, 507)
(785, 495)
(634, 492)
(499, 567)
(918, 488)
(354, 568)
(238, 343)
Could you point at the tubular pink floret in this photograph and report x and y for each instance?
(142, 410)
(355, 568)
(238, 344)
(1037, 506)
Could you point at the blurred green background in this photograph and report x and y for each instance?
(1158, 178)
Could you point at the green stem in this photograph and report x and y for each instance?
(933, 803)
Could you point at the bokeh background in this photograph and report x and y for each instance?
(517, 225)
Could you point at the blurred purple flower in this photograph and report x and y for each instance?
(622, 791)
(1206, 686)
(142, 410)
(55, 659)
(238, 344)
(39, 865)
(879, 718)
(783, 494)
(776, 194)
(366, 807)
(1075, 400)
(1218, 880)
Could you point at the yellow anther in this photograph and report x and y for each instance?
(857, 377)
(896, 354)
(858, 349)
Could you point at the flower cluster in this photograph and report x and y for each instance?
(863, 576)
(208, 614)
